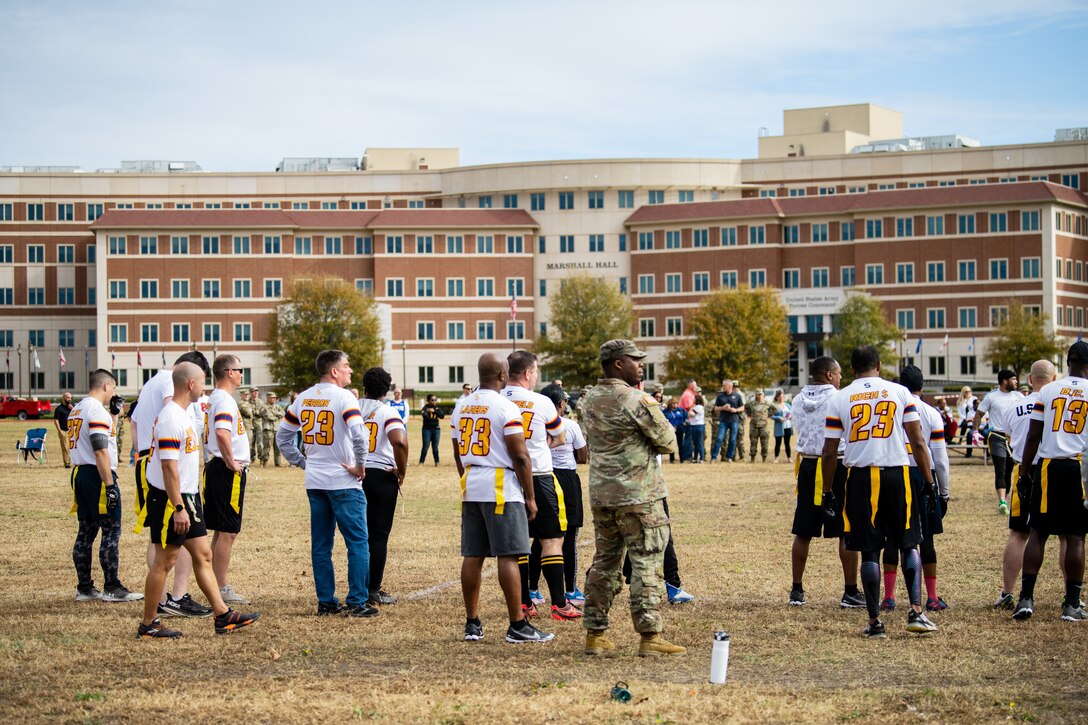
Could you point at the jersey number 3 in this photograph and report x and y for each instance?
(480, 429)
(317, 427)
(862, 414)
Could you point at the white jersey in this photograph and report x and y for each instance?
(222, 414)
(1017, 420)
(539, 419)
(174, 438)
(810, 416)
(88, 418)
(379, 421)
(996, 404)
(152, 397)
(479, 426)
(113, 443)
(932, 428)
(870, 413)
(1063, 408)
(563, 456)
(326, 414)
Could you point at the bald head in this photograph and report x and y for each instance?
(1042, 372)
(492, 371)
(188, 383)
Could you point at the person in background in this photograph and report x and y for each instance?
(399, 404)
(430, 414)
(60, 420)
(783, 424)
(697, 429)
(677, 418)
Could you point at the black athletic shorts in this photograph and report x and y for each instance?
(551, 511)
(141, 489)
(1057, 499)
(89, 495)
(1018, 511)
(224, 496)
(930, 512)
(160, 518)
(881, 509)
(572, 496)
(809, 519)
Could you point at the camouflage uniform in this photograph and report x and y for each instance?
(245, 409)
(270, 421)
(760, 425)
(626, 431)
(120, 428)
(742, 420)
(257, 446)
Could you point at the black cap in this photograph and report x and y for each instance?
(1006, 374)
(911, 378)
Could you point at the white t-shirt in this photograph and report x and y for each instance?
(113, 443)
(1063, 409)
(1017, 420)
(932, 428)
(539, 419)
(996, 404)
(563, 456)
(174, 438)
(870, 413)
(149, 403)
(966, 408)
(89, 417)
(479, 426)
(222, 414)
(326, 414)
(379, 422)
(697, 415)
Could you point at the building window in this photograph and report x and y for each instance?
(904, 227)
(596, 200)
(566, 200)
(645, 240)
(212, 332)
(965, 223)
(685, 195)
(1029, 267)
(485, 287)
(35, 254)
(791, 278)
(874, 274)
(457, 373)
(657, 196)
(455, 286)
(243, 288)
(485, 244)
(149, 332)
(674, 326)
(819, 232)
(729, 279)
(672, 239)
(596, 242)
(66, 253)
(242, 244)
(66, 296)
(394, 287)
(515, 330)
(729, 236)
(999, 222)
(821, 277)
(846, 231)
(625, 199)
(998, 315)
(967, 270)
(934, 225)
(797, 192)
(273, 244)
(566, 243)
(904, 319)
(904, 273)
(515, 286)
(35, 212)
(424, 330)
(365, 285)
(700, 238)
(935, 318)
(335, 245)
(304, 245)
(1029, 221)
(7, 254)
(455, 330)
(35, 295)
(394, 245)
(179, 332)
(999, 269)
(211, 288)
(646, 327)
(210, 245)
(92, 296)
(791, 234)
(485, 330)
(1071, 180)
(536, 201)
(484, 202)
(509, 201)
(424, 245)
(7, 296)
(118, 333)
(936, 367)
(874, 228)
(93, 211)
(455, 245)
(967, 365)
(673, 283)
(273, 288)
(757, 234)
(701, 281)
(149, 245)
(364, 245)
(118, 289)
(968, 317)
(757, 278)
(426, 373)
(646, 284)
(149, 289)
(425, 287)
(934, 271)
(515, 244)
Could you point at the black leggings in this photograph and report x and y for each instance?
(82, 551)
(381, 490)
(787, 433)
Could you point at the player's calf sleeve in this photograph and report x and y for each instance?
(912, 574)
(870, 582)
(929, 552)
(552, 569)
(523, 567)
(570, 558)
(534, 565)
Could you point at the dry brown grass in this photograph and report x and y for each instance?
(81, 662)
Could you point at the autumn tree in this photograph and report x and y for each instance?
(733, 333)
(861, 321)
(1022, 338)
(316, 315)
(585, 312)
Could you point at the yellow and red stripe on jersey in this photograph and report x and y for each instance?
(170, 444)
(290, 418)
(833, 422)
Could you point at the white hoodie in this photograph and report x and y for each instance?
(809, 416)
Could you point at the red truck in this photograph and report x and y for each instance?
(23, 409)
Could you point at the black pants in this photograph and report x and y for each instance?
(787, 433)
(672, 565)
(430, 438)
(381, 490)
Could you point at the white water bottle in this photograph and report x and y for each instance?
(719, 657)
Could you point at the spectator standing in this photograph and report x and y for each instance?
(697, 429)
(783, 424)
(726, 406)
(677, 418)
(430, 414)
(60, 419)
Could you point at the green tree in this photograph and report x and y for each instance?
(316, 315)
(861, 321)
(1022, 338)
(585, 312)
(733, 333)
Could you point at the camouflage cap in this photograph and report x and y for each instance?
(243, 391)
(620, 348)
(656, 388)
(270, 394)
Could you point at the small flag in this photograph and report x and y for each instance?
(7, 359)
(918, 347)
(113, 360)
(37, 362)
(164, 358)
(971, 347)
(139, 359)
(513, 307)
(86, 358)
(944, 345)
(60, 358)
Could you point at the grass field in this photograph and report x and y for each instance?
(63, 661)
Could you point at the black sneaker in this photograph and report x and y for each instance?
(156, 630)
(524, 632)
(874, 630)
(363, 610)
(231, 620)
(852, 601)
(797, 597)
(474, 631)
(186, 607)
(325, 609)
(87, 594)
(381, 597)
(1024, 609)
(120, 594)
(919, 623)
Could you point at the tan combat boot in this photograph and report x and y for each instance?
(653, 645)
(597, 642)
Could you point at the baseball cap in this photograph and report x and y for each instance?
(243, 391)
(272, 395)
(657, 388)
(620, 348)
(1005, 375)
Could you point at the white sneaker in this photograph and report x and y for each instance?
(230, 596)
(120, 594)
(87, 595)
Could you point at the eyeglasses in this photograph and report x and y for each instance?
(235, 370)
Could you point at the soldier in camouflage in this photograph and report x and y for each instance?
(257, 447)
(742, 420)
(271, 416)
(626, 431)
(245, 410)
(760, 425)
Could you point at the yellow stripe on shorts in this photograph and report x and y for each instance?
(874, 491)
(562, 503)
(1014, 498)
(818, 489)
(500, 497)
(72, 481)
(236, 493)
(167, 512)
(907, 493)
(1044, 483)
(141, 511)
(846, 495)
(102, 510)
(464, 482)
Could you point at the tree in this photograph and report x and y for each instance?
(862, 322)
(316, 315)
(1022, 338)
(733, 333)
(585, 312)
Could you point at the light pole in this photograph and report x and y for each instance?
(19, 351)
(403, 363)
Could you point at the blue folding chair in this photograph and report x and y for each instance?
(33, 446)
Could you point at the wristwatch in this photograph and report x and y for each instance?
(179, 508)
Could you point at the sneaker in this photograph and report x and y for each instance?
(526, 633)
(1005, 601)
(937, 605)
(363, 610)
(852, 601)
(566, 613)
(797, 597)
(677, 595)
(186, 607)
(325, 609)
(597, 643)
(887, 605)
(1024, 609)
(1003, 508)
(655, 645)
(230, 596)
(87, 594)
(536, 598)
(231, 620)
(576, 597)
(120, 594)
(874, 630)
(530, 612)
(919, 623)
(162, 611)
(381, 597)
(156, 630)
(1073, 614)
(474, 632)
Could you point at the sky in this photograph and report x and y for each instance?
(237, 85)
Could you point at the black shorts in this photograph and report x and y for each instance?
(89, 495)
(1018, 511)
(486, 533)
(1057, 499)
(551, 511)
(809, 519)
(142, 487)
(160, 518)
(880, 509)
(571, 485)
(224, 496)
(930, 512)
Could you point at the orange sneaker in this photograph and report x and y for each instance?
(566, 613)
(530, 611)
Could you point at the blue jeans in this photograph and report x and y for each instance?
(430, 438)
(683, 438)
(346, 508)
(732, 427)
(695, 436)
